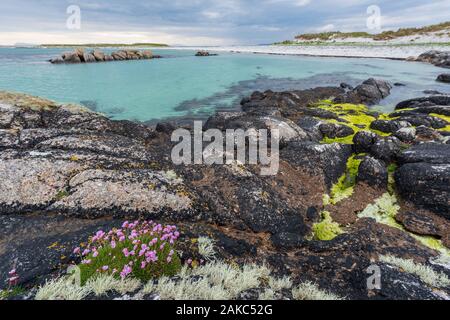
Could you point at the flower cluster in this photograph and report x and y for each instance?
(143, 249)
(13, 278)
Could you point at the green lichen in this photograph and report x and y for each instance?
(61, 195)
(327, 229)
(344, 188)
(356, 116)
(391, 175)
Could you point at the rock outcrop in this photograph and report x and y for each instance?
(81, 56)
(67, 172)
(437, 58)
(369, 92)
(444, 78)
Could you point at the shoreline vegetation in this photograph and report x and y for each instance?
(428, 35)
(104, 45)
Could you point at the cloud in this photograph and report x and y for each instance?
(199, 22)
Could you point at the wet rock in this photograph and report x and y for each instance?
(424, 102)
(204, 54)
(369, 92)
(373, 172)
(426, 185)
(333, 130)
(364, 140)
(288, 240)
(444, 78)
(235, 247)
(165, 127)
(435, 57)
(406, 134)
(386, 149)
(388, 126)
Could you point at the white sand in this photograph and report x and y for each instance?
(364, 51)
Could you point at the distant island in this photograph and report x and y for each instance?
(104, 45)
(437, 33)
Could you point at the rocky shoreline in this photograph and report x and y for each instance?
(356, 188)
(82, 56)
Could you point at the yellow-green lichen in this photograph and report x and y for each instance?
(344, 188)
(327, 229)
(355, 116)
(446, 118)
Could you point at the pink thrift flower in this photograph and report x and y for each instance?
(105, 268)
(86, 252)
(77, 251)
(95, 254)
(113, 244)
(169, 259)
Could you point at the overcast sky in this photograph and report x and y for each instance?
(203, 22)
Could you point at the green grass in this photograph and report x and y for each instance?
(13, 292)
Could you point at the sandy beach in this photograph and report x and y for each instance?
(362, 51)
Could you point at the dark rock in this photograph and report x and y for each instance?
(427, 134)
(287, 240)
(435, 153)
(432, 92)
(328, 160)
(406, 134)
(373, 172)
(204, 54)
(334, 130)
(364, 140)
(399, 84)
(369, 92)
(426, 185)
(311, 126)
(346, 86)
(444, 78)
(71, 57)
(165, 127)
(235, 247)
(435, 57)
(389, 126)
(424, 120)
(424, 102)
(419, 223)
(386, 149)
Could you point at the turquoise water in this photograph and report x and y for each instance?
(182, 85)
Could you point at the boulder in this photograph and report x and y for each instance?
(334, 130)
(431, 101)
(386, 149)
(147, 54)
(119, 55)
(364, 140)
(426, 185)
(434, 153)
(99, 56)
(437, 58)
(369, 92)
(406, 134)
(388, 126)
(89, 57)
(71, 57)
(444, 78)
(373, 172)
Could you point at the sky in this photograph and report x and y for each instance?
(202, 22)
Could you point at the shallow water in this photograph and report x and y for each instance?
(182, 85)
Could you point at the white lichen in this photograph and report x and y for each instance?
(278, 284)
(206, 248)
(425, 273)
(310, 291)
(62, 289)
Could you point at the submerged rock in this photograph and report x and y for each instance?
(444, 78)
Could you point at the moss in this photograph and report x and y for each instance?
(327, 229)
(391, 175)
(12, 292)
(61, 195)
(345, 186)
